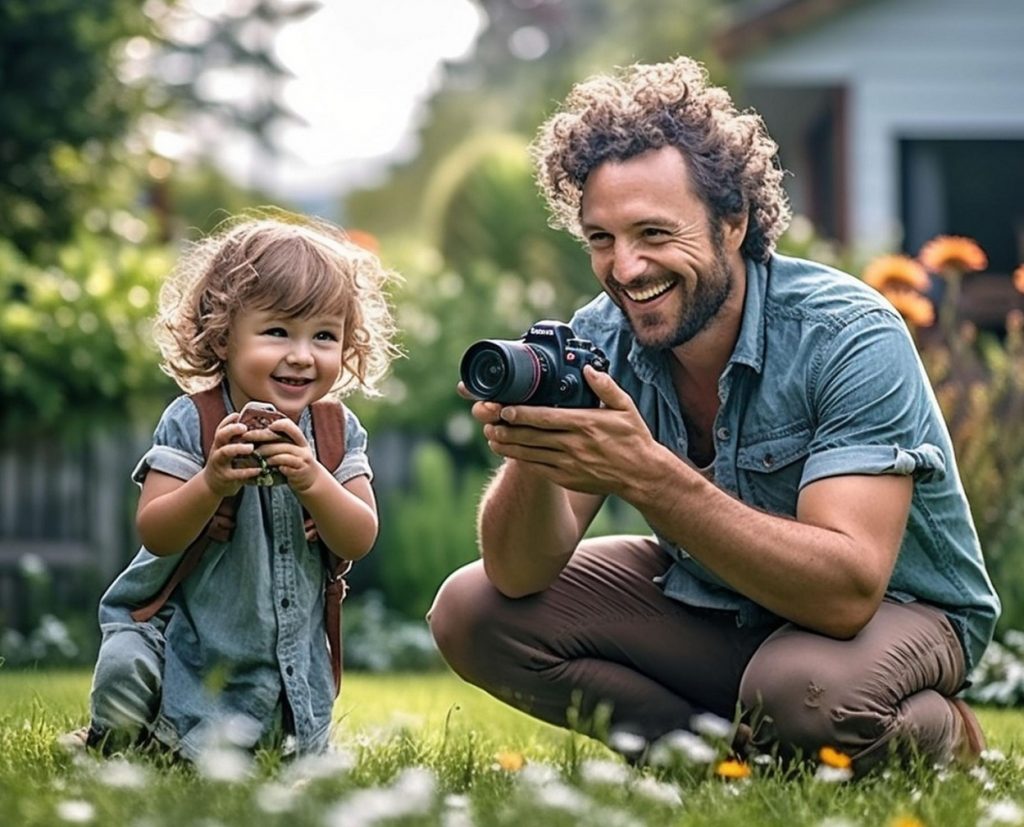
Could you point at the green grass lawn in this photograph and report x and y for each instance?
(423, 749)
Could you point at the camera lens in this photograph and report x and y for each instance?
(504, 371)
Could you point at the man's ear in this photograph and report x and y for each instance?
(734, 230)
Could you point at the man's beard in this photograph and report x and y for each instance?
(709, 294)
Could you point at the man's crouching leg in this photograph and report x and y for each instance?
(886, 691)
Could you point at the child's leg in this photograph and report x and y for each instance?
(126, 685)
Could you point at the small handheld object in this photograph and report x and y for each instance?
(257, 416)
(544, 367)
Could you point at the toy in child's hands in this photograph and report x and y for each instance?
(257, 416)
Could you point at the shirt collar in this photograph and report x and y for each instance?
(750, 343)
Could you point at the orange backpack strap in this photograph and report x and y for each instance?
(210, 404)
(328, 418)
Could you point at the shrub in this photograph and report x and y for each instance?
(76, 343)
(429, 530)
(979, 382)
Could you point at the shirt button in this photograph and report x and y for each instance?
(722, 434)
(289, 671)
(282, 549)
(768, 461)
(285, 603)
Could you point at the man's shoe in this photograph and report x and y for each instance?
(968, 750)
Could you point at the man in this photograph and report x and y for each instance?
(814, 563)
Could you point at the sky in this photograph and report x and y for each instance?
(364, 70)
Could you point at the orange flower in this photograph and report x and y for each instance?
(888, 271)
(363, 239)
(510, 761)
(1018, 278)
(732, 769)
(834, 758)
(952, 252)
(906, 821)
(917, 310)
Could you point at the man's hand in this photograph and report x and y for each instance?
(591, 450)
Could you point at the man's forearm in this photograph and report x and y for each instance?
(817, 576)
(527, 530)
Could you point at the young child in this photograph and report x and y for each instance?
(282, 313)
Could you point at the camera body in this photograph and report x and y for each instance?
(544, 367)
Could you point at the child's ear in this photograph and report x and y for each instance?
(220, 348)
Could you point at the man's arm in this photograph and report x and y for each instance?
(528, 529)
(826, 570)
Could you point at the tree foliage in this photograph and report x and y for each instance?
(62, 108)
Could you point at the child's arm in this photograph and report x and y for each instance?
(172, 512)
(345, 515)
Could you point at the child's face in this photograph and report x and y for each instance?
(285, 361)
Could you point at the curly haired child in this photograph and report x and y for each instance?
(282, 310)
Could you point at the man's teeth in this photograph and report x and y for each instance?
(648, 293)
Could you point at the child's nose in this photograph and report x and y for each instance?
(300, 353)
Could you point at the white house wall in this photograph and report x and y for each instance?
(912, 69)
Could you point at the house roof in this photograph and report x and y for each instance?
(761, 21)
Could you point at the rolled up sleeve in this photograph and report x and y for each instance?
(355, 464)
(874, 404)
(176, 450)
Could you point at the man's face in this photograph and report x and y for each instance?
(653, 249)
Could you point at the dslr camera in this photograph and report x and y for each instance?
(544, 367)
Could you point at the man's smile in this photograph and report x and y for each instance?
(648, 292)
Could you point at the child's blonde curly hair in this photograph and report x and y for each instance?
(295, 265)
(733, 162)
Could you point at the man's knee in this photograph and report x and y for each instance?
(802, 701)
(458, 619)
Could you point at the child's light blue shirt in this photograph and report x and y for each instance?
(824, 381)
(245, 630)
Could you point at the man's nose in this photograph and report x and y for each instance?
(627, 264)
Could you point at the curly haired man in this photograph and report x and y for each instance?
(813, 575)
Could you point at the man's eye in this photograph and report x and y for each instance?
(599, 239)
(654, 232)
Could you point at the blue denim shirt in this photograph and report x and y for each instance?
(248, 624)
(824, 381)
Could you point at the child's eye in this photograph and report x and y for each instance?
(275, 331)
(326, 336)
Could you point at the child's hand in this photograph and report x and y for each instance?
(221, 475)
(286, 449)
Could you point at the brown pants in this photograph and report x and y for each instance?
(604, 635)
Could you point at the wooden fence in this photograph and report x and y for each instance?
(69, 508)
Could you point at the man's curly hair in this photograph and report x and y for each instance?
(732, 160)
(295, 265)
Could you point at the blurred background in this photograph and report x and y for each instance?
(128, 128)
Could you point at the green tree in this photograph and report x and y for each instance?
(62, 110)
